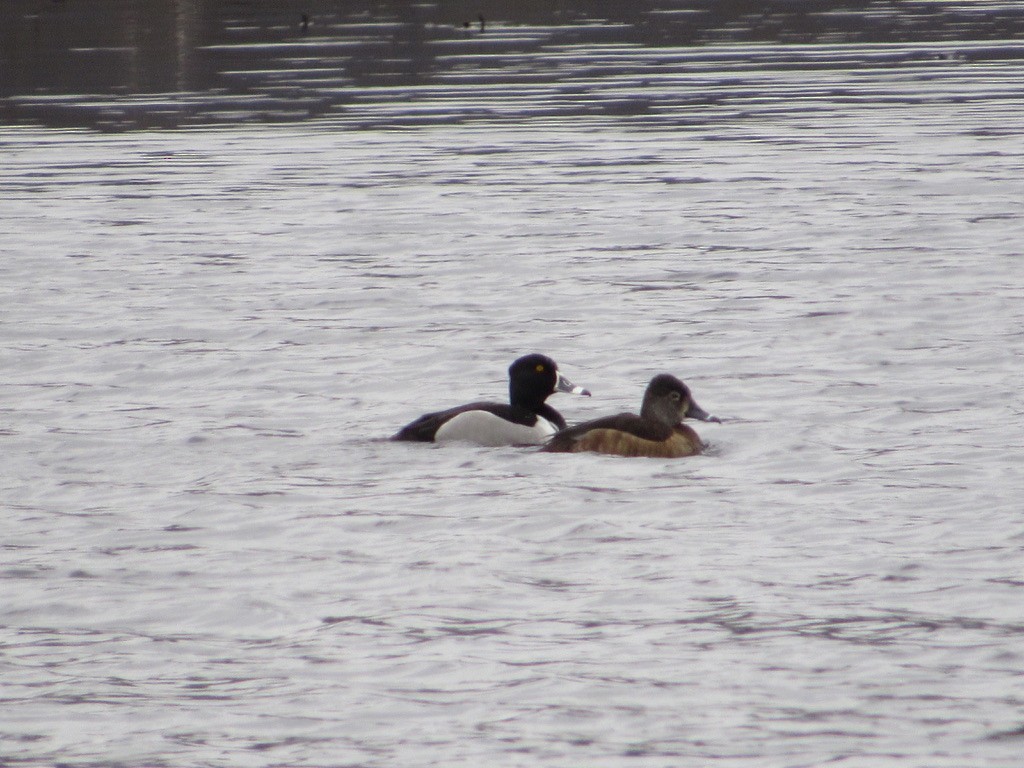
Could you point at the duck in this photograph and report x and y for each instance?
(525, 420)
(658, 432)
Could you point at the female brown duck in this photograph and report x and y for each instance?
(657, 432)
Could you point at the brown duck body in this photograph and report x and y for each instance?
(658, 432)
(610, 438)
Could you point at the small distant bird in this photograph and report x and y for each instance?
(480, 18)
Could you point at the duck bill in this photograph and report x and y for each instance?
(696, 412)
(564, 385)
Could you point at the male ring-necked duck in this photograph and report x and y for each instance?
(657, 432)
(525, 420)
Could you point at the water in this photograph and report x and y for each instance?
(212, 557)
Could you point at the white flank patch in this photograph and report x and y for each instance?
(484, 428)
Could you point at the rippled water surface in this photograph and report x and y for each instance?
(212, 557)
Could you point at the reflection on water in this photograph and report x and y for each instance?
(122, 64)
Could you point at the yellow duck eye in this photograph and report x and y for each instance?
(540, 368)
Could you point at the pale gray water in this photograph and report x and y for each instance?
(211, 557)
